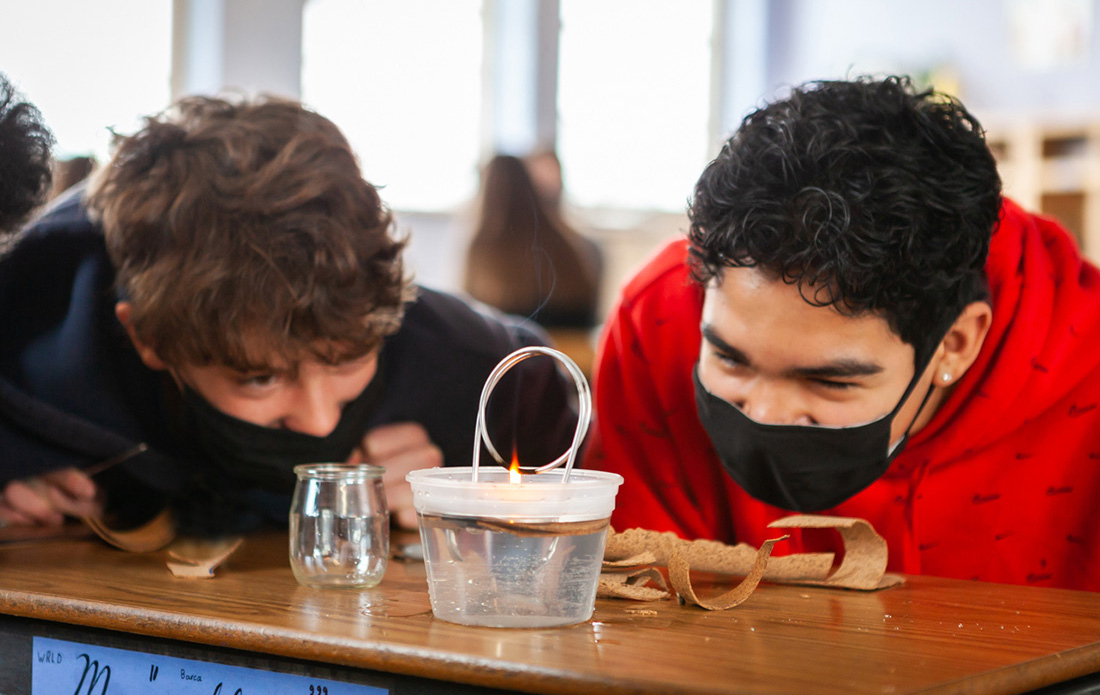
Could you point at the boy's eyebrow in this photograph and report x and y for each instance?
(712, 337)
(838, 369)
(250, 370)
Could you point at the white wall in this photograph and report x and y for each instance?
(246, 45)
(811, 39)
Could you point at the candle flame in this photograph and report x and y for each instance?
(514, 476)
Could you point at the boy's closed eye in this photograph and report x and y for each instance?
(731, 359)
(835, 385)
(258, 381)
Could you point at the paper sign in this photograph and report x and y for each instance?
(60, 667)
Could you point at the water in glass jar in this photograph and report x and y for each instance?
(339, 551)
(482, 573)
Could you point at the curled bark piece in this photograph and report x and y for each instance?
(516, 528)
(632, 585)
(865, 552)
(679, 573)
(639, 560)
(714, 556)
(198, 560)
(154, 534)
(863, 567)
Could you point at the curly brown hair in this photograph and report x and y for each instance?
(244, 234)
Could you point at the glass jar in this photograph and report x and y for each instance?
(339, 525)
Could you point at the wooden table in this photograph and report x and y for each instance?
(930, 635)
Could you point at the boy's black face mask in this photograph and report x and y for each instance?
(264, 457)
(800, 468)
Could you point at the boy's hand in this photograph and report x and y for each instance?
(399, 448)
(48, 499)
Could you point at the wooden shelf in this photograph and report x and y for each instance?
(1053, 168)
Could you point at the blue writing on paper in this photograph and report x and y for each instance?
(70, 668)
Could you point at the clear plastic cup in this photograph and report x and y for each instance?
(339, 526)
(502, 554)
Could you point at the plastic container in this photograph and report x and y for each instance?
(505, 554)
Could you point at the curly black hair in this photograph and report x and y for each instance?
(25, 165)
(871, 196)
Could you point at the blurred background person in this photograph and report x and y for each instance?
(544, 167)
(524, 259)
(70, 171)
(25, 144)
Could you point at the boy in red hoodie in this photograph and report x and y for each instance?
(859, 325)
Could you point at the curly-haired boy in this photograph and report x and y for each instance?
(858, 325)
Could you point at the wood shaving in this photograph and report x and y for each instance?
(680, 576)
(865, 552)
(155, 534)
(633, 585)
(198, 559)
(639, 560)
(863, 567)
(714, 556)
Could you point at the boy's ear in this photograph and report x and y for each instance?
(964, 341)
(123, 311)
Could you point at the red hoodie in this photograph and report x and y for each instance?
(1002, 485)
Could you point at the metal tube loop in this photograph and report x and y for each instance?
(584, 410)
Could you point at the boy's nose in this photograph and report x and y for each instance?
(770, 405)
(314, 413)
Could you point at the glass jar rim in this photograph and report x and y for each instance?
(338, 471)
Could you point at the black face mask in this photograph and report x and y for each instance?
(801, 468)
(264, 457)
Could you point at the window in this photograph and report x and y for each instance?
(633, 101)
(89, 66)
(403, 81)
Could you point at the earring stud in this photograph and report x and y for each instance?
(945, 378)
